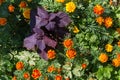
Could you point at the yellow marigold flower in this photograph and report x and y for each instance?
(51, 54)
(70, 7)
(115, 62)
(99, 20)
(108, 22)
(108, 47)
(75, 29)
(68, 43)
(26, 13)
(98, 9)
(118, 30)
(103, 57)
(118, 43)
(61, 1)
(71, 53)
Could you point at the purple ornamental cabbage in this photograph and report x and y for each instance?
(46, 28)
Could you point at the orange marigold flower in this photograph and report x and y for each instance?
(36, 73)
(51, 69)
(115, 62)
(70, 7)
(22, 4)
(118, 43)
(14, 78)
(11, 8)
(51, 54)
(68, 43)
(75, 29)
(61, 1)
(26, 13)
(1, 1)
(19, 65)
(108, 47)
(98, 9)
(26, 75)
(100, 20)
(58, 77)
(118, 30)
(103, 57)
(111, 2)
(3, 21)
(108, 22)
(71, 53)
(84, 66)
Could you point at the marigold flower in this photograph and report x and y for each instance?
(1, 1)
(68, 43)
(118, 30)
(11, 8)
(61, 1)
(70, 7)
(115, 62)
(84, 66)
(75, 29)
(99, 20)
(108, 47)
(36, 73)
(98, 9)
(22, 4)
(14, 78)
(26, 75)
(108, 22)
(26, 13)
(58, 77)
(71, 53)
(19, 65)
(51, 68)
(118, 56)
(51, 54)
(3, 21)
(111, 2)
(103, 57)
(118, 43)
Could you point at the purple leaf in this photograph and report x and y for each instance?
(52, 16)
(38, 31)
(50, 26)
(61, 14)
(42, 12)
(49, 42)
(43, 55)
(30, 42)
(40, 44)
(64, 22)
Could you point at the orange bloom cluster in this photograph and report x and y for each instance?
(51, 54)
(100, 20)
(23, 4)
(58, 77)
(71, 53)
(61, 1)
(3, 21)
(98, 9)
(36, 74)
(111, 2)
(19, 65)
(108, 22)
(116, 61)
(84, 66)
(11, 8)
(103, 57)
(118, 43)
(26, 75)
(51, 69)
(14, 78)
(108, 47)
(68, 43)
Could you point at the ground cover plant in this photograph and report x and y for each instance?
(59, 40)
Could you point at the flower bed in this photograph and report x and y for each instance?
(59, 40)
